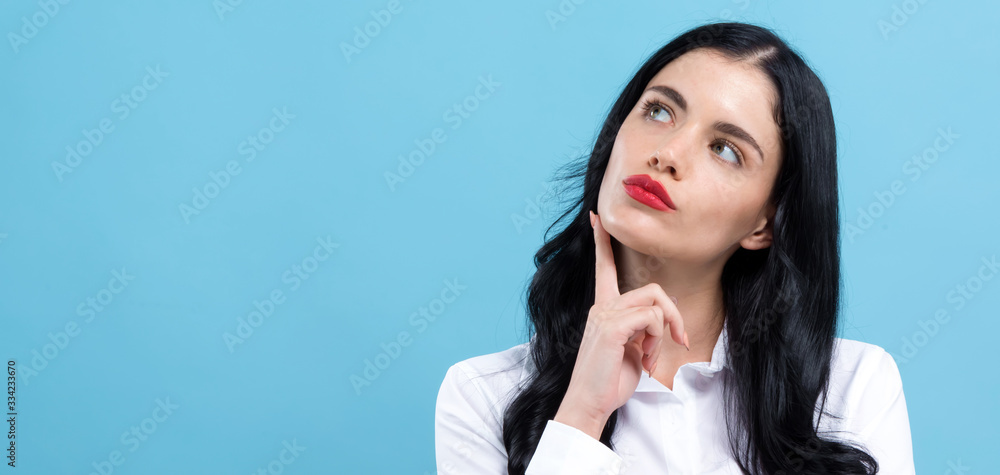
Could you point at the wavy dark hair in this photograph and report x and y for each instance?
(781, 303)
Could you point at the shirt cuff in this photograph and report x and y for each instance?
(564, 449)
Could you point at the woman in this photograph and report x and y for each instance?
(685, 320)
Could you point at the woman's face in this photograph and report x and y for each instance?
(703, 128)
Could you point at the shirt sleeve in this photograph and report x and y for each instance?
(468, 438)
(885, 429)
(564, 449)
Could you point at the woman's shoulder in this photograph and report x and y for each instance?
(866, 400)
(495, 371)
(860, 360)
(864, 381)
(486, 383)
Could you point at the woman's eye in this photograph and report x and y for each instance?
(655, 111)
(727, 153)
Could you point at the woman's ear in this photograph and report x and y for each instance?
(763, 235)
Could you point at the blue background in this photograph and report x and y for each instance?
(322, 175)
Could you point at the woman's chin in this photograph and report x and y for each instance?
(637, 230)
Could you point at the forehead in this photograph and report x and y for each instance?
(717, 88)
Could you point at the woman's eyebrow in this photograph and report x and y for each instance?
(724, 127)
(671, 94)
(736, 131)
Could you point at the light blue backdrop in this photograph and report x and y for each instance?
(171, 168)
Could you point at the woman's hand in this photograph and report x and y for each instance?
(621, 330)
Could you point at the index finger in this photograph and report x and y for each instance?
(605, 272)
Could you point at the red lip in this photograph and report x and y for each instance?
(649, 191)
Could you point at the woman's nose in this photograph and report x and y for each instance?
(671, 155)
(664, 160)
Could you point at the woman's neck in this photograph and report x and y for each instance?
(698, 290)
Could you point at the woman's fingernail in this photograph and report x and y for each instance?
(687, 343)
(673, 298)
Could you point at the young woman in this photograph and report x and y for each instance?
(685, 318)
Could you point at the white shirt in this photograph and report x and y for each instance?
(679, 431)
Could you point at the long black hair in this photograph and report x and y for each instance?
(781, 302)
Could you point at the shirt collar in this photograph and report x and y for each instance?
(706, 368)
(646, 383)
